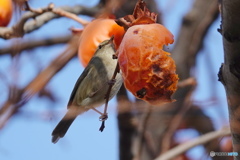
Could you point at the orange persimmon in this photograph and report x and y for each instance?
(148, 71)
(94, 33)
(5, 12)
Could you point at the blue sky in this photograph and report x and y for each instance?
(27, 135)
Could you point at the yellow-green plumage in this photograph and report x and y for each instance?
(91, 87)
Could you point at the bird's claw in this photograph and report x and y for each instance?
(112, 82)
(103, 117)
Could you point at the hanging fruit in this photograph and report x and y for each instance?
(96, 32)
(5, 12)
(148, 71)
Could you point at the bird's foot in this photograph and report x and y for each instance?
(103, 117)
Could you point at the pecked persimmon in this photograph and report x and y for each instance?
(148, 71)
(5, 12)
(94, 33)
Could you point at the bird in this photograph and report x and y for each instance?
(91, 87)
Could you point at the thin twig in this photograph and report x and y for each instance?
(72, 16)
(187, 82)
(37, 11)
(194, 142)
(142, 131)
(111, 83)
(59, 12)
(149, 143)
(174, 124)
(177, 119)
(25, 25)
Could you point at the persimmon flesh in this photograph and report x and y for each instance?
(96, 32)
(148, 71)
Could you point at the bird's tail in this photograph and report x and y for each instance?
(62, 127)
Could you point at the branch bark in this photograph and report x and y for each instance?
(174, 152)
(229, 73)
(126, 127)
(30, 44)
(24, 26)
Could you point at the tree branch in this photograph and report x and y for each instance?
(18, 30)
(195, 25)
(142, 131)
(125, 125)
(72, 16)
(174, 152)
(24, 26)
(175, 123)
(30, 44)
(229, 73)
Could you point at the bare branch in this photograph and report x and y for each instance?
(59, 12)
(174, 152)
(175, 122)
(126, 125)
(195, 25)
(142, 131)
(18, 29)
(24, 26)
(187, 82)
(72, 16)
(30, 44)
(38, 11)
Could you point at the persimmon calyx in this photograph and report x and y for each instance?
(141, 15)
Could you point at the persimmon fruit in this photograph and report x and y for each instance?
(96, 32)
(148, 71)
(6, 10)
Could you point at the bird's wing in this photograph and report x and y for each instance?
(77, 84)
(89, 83)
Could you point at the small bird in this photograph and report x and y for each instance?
(91, 87)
